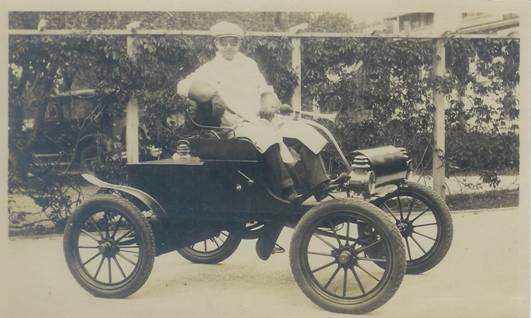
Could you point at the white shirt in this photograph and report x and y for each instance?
(238, 82)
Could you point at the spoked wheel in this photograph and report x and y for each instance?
(109, 246)
(331, 265)
(213, 250)
(424, 222)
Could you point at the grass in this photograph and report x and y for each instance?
(483, 200)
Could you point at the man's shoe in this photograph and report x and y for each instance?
(321, 191)
(289, 194)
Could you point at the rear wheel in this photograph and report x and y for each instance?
(330, 264)
(424, 221)
(109, 246)
(213, 250)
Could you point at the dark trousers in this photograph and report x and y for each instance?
(276, 172)
(309, 173)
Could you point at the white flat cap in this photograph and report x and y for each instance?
(223, 29)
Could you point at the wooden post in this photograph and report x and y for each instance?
(438, 164)
(296, 99)
(131, 126)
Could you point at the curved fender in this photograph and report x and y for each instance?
(145, 198)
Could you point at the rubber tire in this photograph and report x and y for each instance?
(219, 255)
(142, 228)
(442, 212)
(382, 222)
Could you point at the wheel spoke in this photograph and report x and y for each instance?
(222, 233)
(329, 234)
(322, 254)
(427, 224)
(363, 248)
(132, 252)
(213, 239)
(331, 278)
(324, 266)
(348, 233)
(423, 235)
(91, 259)
(126, 259)
(110, 275)
(87, 247)
(344, 282)
(90, 235)
(410, 208)
(335, 234)
(357, 279)
(116, 227)
(390, 212)
(408, 249)
(96, 226)
(418, 244)
(123, 236)
(106, 217)
(421, 213)
(99, 267)
(129, 246)
(367, 272)
(324, 241)
(380, 260)
(205, 244)
(119, 267)
(400, 207)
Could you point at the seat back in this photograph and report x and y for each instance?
(210, 149)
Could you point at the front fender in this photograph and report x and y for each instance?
(145, 198)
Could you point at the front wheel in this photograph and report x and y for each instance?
(109, 246)
(330, 262)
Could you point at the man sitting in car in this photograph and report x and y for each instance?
(235, 94)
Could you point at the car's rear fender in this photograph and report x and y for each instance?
(159, 213)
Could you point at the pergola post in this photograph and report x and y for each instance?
(438, 161)
(132, 120)
(296, 98)
(296, 61)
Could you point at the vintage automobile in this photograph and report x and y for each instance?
(348, 253)
(77, 129)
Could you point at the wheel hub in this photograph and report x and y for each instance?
(405, 227)
(345, 257)
(108, 248)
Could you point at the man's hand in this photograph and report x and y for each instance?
(266, 112)
(269, 105)
(286, 109)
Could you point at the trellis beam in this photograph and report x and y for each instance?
(119, 32)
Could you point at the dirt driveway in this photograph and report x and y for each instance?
(484, 275)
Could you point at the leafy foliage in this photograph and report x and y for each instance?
(380, 88)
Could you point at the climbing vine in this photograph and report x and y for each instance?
(381, 90)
